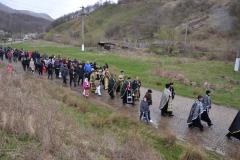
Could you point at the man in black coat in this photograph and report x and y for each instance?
(1, 54)
(111, 86)
(234, 130)
(80, 74)
(64, 72)
(72, 75)
(50, 69)
(57, 67)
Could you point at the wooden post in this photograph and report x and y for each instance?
(83, 38)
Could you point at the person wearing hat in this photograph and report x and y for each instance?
(194, 119)
(207, 104)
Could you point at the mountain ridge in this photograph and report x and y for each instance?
(8, 9)
(22, 21)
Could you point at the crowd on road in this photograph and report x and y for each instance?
(92, 78)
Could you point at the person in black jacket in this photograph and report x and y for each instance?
(80, 74)
(111, 86)
(50, 69)
(234, 130)
(1, 54)
(144, 109)
(72, 75)
(64, 72)
(57, 67)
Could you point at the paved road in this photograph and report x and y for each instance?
(212, 138)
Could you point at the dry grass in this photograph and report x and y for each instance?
(33, 107)
(169, 139)
(27, 109)
(236, 155)
(193, 153)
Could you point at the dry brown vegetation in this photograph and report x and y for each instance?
(32, 106)
(193, 153)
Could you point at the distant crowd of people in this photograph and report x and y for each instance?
(93, 78)
(89, 75)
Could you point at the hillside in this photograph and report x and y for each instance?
(30, 13)
(212, 23)
(16, 21)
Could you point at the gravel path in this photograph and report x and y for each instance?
(212, 138)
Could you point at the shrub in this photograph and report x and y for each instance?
(193, 153)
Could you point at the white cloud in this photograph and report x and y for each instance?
(54, 8)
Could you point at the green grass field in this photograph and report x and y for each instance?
(219, 74)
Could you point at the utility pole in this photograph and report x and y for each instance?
(83, 38)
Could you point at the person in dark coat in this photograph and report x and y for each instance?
(165, 99)
(24, 62)
(72, 75)
(136, 85)
(50, 69)
(194, 119)
(64, 71)
(234, 130)
(1, 54)
(148, 97)
(171, 88)
(127, 93)
(57, 67)
(207, 104)
(111, 86)
(39, 66)
(144, 108)
(80, 74)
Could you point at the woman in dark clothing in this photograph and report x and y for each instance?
(144, 109)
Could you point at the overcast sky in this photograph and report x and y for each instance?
(55, 8)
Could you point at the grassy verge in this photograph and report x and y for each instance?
(67, 126)
(189, 74)
(12, 146)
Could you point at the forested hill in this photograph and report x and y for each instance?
(211, 22)
(21, 21)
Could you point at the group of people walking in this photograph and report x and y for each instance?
(90, 76)
(93, 78)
